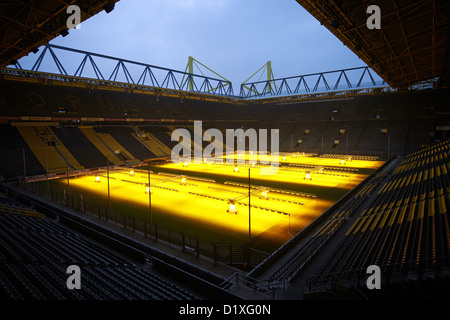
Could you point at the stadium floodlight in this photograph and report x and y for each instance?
(284, 158)
(97, 179)
(342, 161)
(108, 7)
(236, 169)
(64, 32)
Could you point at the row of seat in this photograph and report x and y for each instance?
(36, 251)
(354, 157)
(19, 210)
(306, 252)
(406, 228)
(20, 281)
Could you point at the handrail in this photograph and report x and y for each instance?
(295, 84)
(145, 74)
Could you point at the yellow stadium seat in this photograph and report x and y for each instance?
(421, 209)
(353, 226)
(394, 215)
(442, 206)
(411, 211)
(431, 209)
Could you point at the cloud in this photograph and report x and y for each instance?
(196, 3)
(233, 37)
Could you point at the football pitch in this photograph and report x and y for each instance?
(225, 202)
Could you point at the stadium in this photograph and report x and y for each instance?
(164, 184)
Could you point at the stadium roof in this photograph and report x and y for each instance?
(410, 47)
(25, 25)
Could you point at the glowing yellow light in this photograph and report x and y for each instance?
(343, 161)
(232, 208)
(132, 173)
(97, 179)
(185, 164)
(284, 157)
(307, 176)
(183, 181)
(310, 159)
(264, 194)
(190, 206)
(148, 190)
(236, 169)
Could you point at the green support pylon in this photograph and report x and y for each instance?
(191, 72)
(269, 74)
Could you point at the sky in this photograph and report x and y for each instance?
(232, 37)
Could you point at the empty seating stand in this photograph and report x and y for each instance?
(406, 229)
(36, 251)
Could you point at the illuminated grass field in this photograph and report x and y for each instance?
(199, 205)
